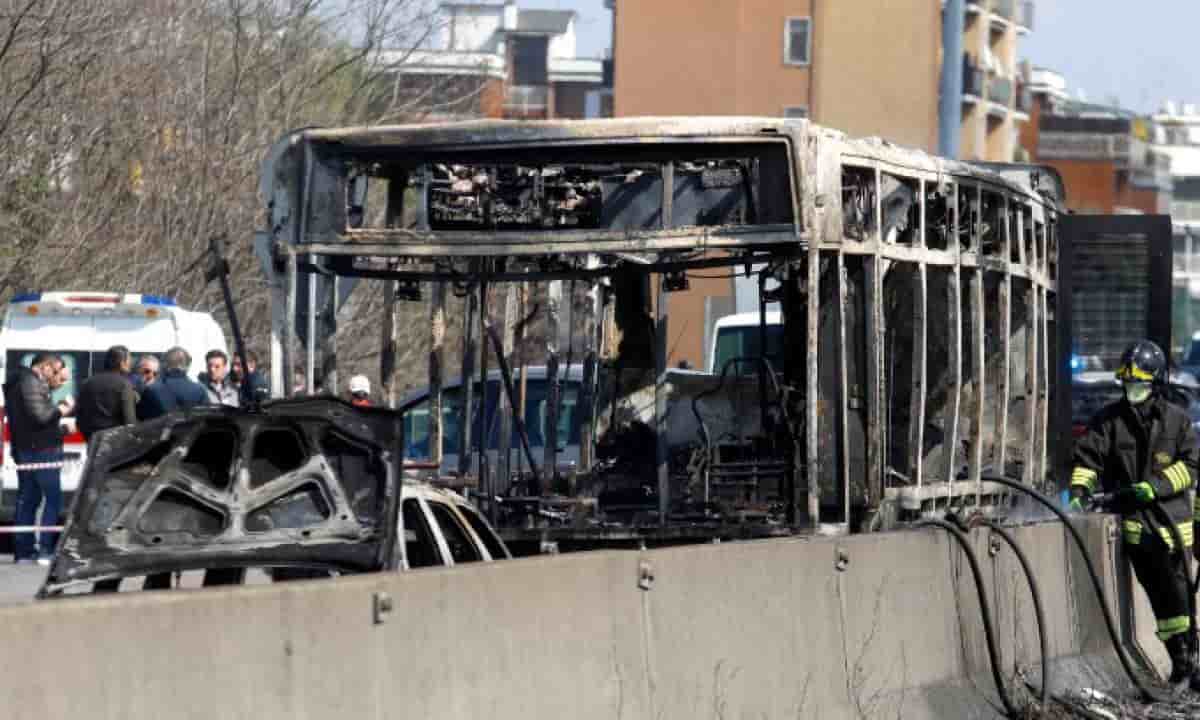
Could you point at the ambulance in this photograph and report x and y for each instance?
(81, 326)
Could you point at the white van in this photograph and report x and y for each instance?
(738, 336)
(81, 326)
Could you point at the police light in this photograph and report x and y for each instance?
(1076, 364)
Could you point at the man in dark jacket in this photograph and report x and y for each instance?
(252, 385)
(174, 390)
(107, 400)
(147, 374)
(36, 442)
(1143, 450)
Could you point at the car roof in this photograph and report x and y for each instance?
(532, 372)
(749, 319)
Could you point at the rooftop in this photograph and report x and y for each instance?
(546, 22)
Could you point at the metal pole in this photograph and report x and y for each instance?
(950, 107)
(660, 402)
(288, 339)
(550, 431)
(519, 351)
(329, 341)
(485, 426)
(504, 403)
(310, 359)
(388, 374)
(468, 385)
(587, 400)
(437, 342)
(278, 289)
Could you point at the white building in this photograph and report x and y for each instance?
(512, 63)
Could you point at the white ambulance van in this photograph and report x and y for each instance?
(81, 326)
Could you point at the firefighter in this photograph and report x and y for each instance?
(1143, 453)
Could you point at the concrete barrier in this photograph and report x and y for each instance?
(857, 627)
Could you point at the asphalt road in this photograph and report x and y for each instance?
(18, 583)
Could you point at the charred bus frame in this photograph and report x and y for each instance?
(890, 412)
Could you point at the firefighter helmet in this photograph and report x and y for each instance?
(1143, 361)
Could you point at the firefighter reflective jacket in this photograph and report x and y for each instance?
(1154, 443)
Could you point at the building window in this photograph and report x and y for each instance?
(795, 112)
(797, 41)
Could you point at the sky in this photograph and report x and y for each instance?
(1138, 53)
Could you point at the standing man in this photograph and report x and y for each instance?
(147, 375)
(217, 383)
(175, 391)
(37, 439)
(252, 386)
(1144, 451)
(107, 400)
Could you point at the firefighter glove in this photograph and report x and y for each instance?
(1136, 495)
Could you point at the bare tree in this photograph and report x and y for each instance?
(132, 131)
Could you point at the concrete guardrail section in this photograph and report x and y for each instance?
(882, 625)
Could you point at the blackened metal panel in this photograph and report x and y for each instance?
(157, 497)
(1139, 248)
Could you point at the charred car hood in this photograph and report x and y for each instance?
(300, 483)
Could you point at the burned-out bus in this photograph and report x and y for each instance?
(917, 296)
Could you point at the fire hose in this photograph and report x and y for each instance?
(1110, 622)
(985, 609)
(1038, 609)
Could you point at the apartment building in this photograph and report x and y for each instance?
(996, 100)
(865, 68)
(868, 69)
(493, 59)
(1110, 158)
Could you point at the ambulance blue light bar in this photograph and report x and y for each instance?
(26, 297)
(159, 300)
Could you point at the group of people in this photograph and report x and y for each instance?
(116, 396)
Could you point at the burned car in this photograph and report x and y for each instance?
(217, 496)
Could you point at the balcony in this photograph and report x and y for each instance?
(1024, 17)
(1024, 104)
(999, 96)
(1002, 15)
(973, 80)
(1000, 90)
(526, 101)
